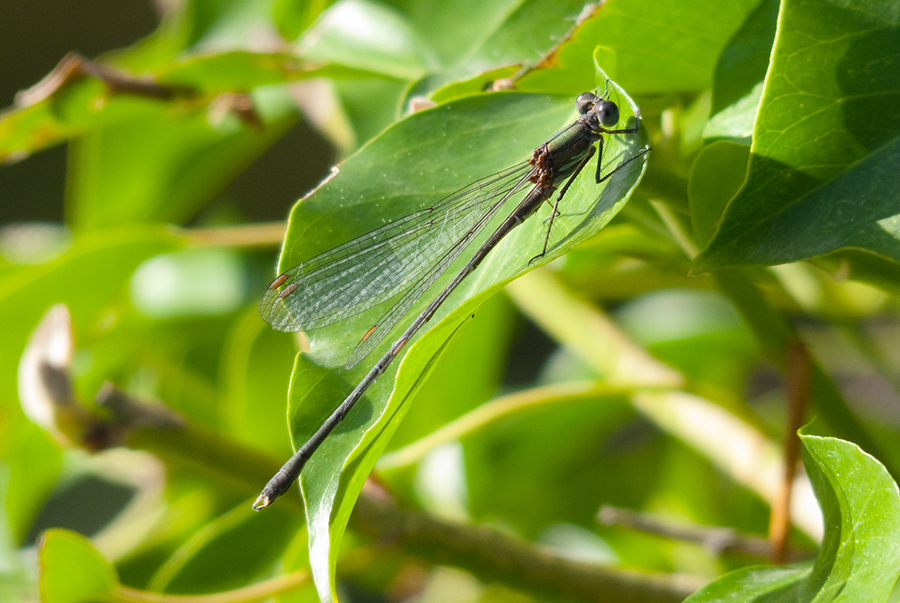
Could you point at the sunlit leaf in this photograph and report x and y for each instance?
(649, 46)
(821, 177)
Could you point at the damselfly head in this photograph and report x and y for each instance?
(604, 111)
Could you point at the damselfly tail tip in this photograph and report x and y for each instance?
(262, 502)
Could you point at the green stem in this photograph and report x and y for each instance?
(495, 411)
(254, 592)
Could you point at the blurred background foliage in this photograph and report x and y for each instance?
(610, 378)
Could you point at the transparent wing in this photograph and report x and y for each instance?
(388, 321)
(365, 271)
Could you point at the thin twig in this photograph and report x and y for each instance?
(73, 67)
(718, 540)
(267, 234)
(798, 401)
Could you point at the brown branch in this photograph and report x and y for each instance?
(74, 67)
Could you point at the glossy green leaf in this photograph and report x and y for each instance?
(529, 29)
(474, 85)
(292, 18)
(652, 46)
(225, 22)
(736, 121)
(412, 165)
(493, 33)
(822, 177)
(740, 74)
(500, 38)
(72, 571)
(745, 60)
(859, 560)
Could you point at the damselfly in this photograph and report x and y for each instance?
(404, 258)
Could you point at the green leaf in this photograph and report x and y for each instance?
(369, 36)
(413, 164)
(745, 60)
(504, 39)
(859, 560)
(500, 36)
(654, 46)
(495, 32)
(254, 361)
(740, 75)
(528, 30)
(825, 163)
(228, 552)
(31, 467)
(242, 71)
(154, 168)
(292, 18)
(717, 174)
(72, 571)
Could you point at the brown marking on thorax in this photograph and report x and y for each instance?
(543, 162)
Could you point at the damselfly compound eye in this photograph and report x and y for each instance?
(586, 101)
(608, 113)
